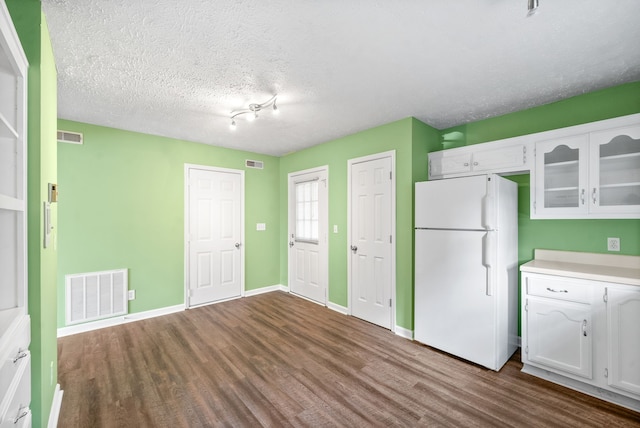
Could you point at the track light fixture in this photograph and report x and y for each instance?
(253, 110)
(532, 6)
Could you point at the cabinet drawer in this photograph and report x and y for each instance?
(14, 406)
(558, 288)
(18, 344)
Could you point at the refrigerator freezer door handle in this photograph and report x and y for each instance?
(487, 253)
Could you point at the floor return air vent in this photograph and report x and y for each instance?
(96, 295)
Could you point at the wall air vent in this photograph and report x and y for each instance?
(69, 137)
(254, 164)
(96, 295)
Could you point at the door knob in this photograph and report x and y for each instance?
(290, 244)
(354, 248)
(238, 245)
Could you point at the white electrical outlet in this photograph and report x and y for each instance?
(613, 244)
(261, 226)
(335, 228)
(132, 294)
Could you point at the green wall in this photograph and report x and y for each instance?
(122, 206)
(42, 169)
(410, 139)
(568, 235)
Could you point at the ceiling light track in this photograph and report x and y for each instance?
(253, 110)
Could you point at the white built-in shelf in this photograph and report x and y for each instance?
(560, 189)
(561, 164)
(6, 130)
(9, 203)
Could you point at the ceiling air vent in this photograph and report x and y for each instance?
(254, 164)
(69, 137)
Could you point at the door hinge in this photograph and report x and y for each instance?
(390, 175)
(390, 239)
(390, 305)
(526, 307)
(605, 297)
(606, 372)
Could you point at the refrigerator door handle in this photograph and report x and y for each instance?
(487, 259)
(488, 214)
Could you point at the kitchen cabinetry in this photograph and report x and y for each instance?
(15, 360)
(559, 333)
(589, 174)
(498, 157)
(580, 317)
(623, 319)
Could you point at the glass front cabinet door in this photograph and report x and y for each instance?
(591, 175)
(562, 176)
(615, 171)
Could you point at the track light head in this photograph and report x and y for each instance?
(253, 109)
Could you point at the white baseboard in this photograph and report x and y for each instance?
(55, 407)
(338, 308)
(110, 322)
(403, 332)
(268, 289)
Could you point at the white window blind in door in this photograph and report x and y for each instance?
(307, 211)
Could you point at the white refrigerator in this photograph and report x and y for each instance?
(466, 267)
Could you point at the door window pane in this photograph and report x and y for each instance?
(307, 211)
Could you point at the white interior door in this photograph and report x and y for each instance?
(371, 241)
(214, 234)
(308, 229)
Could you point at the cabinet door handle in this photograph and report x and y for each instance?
(593, 195)
(553, 290)
(582, 196)
(584, 328)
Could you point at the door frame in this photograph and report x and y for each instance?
(392, 155)
(188, 167)
(321, 210)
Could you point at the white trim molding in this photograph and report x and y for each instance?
(338, 308)
(110, 322)
(268, 289)
(404, 332)
(54, 414)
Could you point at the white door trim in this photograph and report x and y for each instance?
(187, 168)
(324, 169)
(392, 155)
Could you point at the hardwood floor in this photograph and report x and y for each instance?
(278, 360)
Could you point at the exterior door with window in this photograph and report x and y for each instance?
(308, 249)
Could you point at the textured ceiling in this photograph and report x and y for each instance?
(178, 68)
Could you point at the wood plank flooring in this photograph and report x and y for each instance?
(278, 360)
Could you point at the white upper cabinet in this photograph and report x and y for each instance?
(497, 157)
(615, 170)
(561, 167)
(594, 172)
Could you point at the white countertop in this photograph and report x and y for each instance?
(598, 267)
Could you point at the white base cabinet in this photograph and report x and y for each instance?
(623, 321)
(583, 333)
